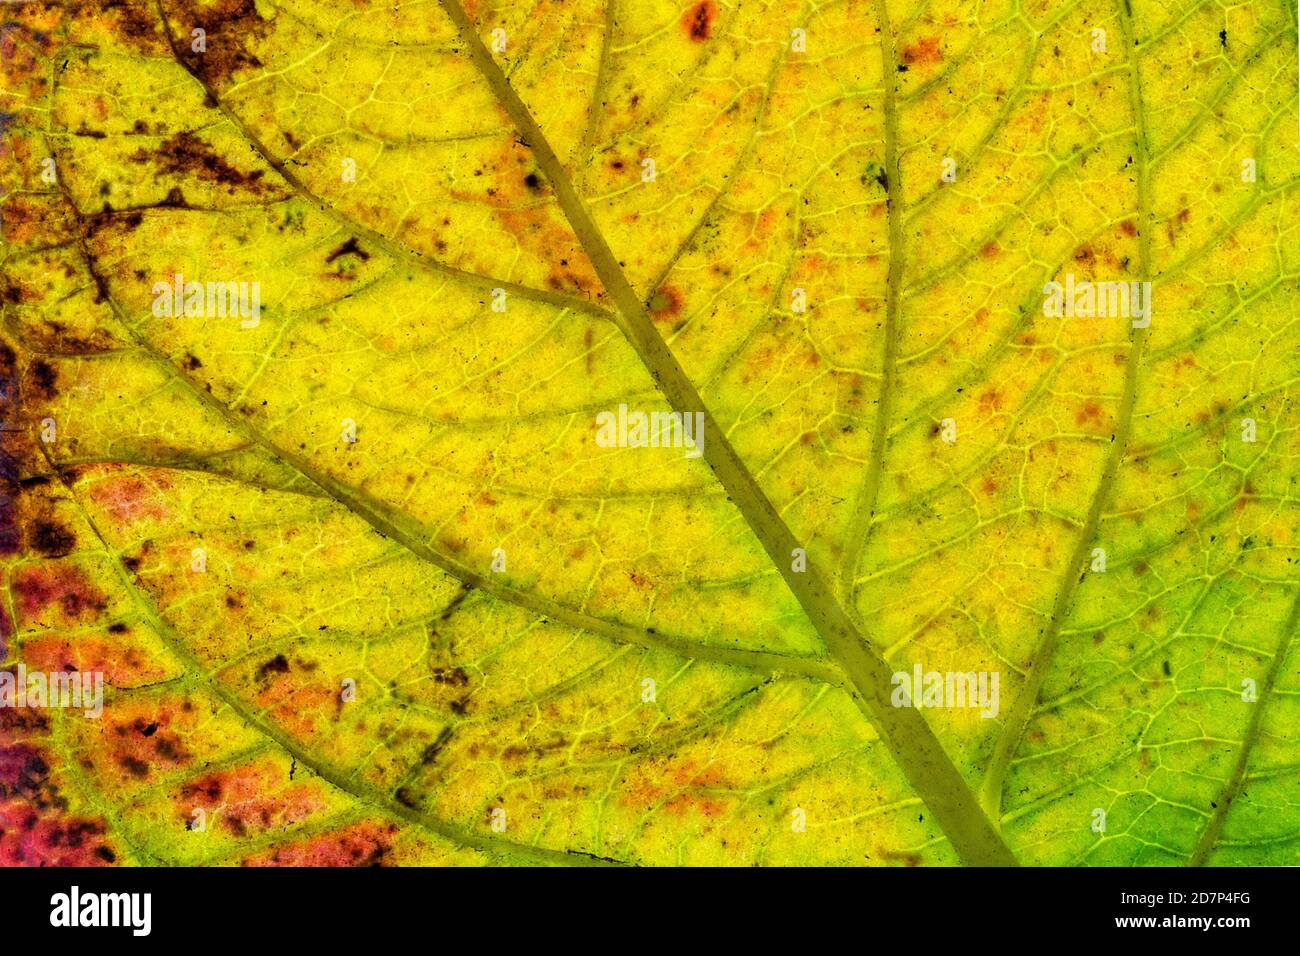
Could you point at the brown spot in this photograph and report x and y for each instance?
(186, 154)
(252, 797)
(175, 199)
(118, 658)
(132, 21)
(903, 856)
(230, 26)
(456, 677)
(51, 539)
(516, 751)
(351, 247)
(44, 379)
(35, 829)
(134, 766)
(698, 20)
(276, 665)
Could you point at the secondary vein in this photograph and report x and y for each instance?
(1022, 707)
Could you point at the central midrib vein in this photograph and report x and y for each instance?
(911, 740)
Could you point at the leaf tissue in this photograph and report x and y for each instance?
(740, 432)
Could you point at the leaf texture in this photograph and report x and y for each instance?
(826, 229)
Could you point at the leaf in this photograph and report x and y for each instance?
(365, 584)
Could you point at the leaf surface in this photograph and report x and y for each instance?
(393, 487)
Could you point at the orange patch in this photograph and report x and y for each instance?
(678, 784)
(924, 51)
(666, 304)
(143, 737)
(1090, 412)
(121, 666)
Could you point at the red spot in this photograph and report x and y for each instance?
(35, 829)
(698, 20)
(31, 837)
(249, 799)
(20, 767)
(40, 587)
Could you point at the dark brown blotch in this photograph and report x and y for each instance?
(276, 665)
(350, 248)
(697, 21)
(186, 155)
(52, 539)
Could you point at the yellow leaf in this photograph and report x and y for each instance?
(685, 433)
